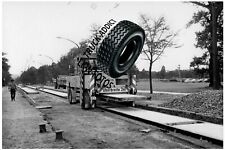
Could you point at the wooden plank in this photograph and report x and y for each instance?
(44, 107)
(125, 96)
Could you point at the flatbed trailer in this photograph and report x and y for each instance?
(120, 98)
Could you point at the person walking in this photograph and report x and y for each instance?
(12, 88)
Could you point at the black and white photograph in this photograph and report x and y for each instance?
(112, 74)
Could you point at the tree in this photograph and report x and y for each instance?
(29, 76)
(6, 76)
(211, 38)
(94, 29)
(158, 38)
(43, 74)
(162, 72)
(200, 65)
(54, 70)
(142, 74)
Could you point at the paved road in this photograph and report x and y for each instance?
(20, 125)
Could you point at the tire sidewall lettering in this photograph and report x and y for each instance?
(106, 84)
(102, 81)
(104, 29)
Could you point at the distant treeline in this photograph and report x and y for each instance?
(46, 73)
(167, 75)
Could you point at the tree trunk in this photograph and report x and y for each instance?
(210, 70)
(216, 79)
(150, 78)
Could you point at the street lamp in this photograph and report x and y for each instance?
(47, 57)
(59, 37)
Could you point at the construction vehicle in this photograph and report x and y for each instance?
(89, 84)
(61, 82)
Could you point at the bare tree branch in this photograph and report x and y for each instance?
(201, 4)
(166, 45)
(145, 59)
(147, 55)
(144, 18)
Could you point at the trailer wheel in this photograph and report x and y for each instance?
(120, 48)
(93, 104)
(133, 90)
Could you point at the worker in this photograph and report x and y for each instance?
(56, 83)
(12, 88)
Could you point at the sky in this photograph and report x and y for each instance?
(29, 29)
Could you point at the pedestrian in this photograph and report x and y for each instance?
(12, 88)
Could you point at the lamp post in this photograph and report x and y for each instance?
(59, 37)
(48, 57)
(53, 69)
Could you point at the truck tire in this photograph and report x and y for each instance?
(120, 48)
(86, 100)
(133, 91)
(93, 104)
(56, 86)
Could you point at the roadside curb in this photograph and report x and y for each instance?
(55, 89)
(162, 92)
(181, 113)
(44, 116)
(30, 100)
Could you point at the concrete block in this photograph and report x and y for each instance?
(42, 127)
(59, 135)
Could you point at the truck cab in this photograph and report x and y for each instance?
(61, 82)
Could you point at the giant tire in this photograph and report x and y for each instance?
(120, 48)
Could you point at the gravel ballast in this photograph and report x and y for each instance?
(209, 103)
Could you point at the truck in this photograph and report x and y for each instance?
(60, 81)
(89, 84)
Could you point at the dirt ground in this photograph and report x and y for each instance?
(82, 128)
(209, 103)
(156, 98)
(20, 125)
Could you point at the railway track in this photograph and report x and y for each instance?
(197, 129)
